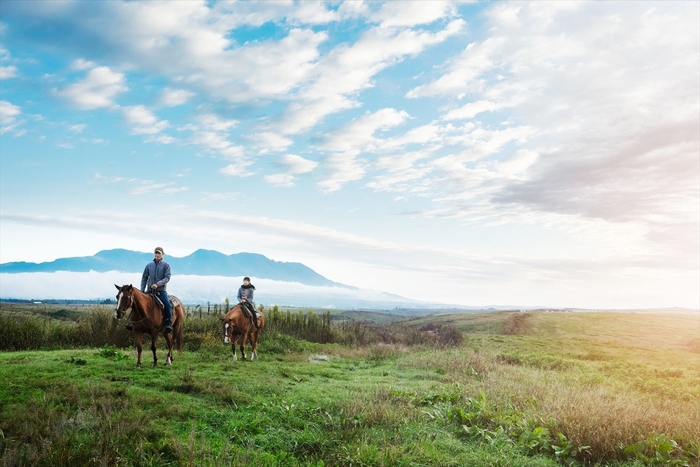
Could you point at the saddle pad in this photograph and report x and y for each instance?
(174, 301)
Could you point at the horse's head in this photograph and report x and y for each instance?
(228, 328)
(125, 299)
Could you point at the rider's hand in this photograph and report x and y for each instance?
(244, 300)
(154, 286)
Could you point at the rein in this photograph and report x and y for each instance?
(132, 311)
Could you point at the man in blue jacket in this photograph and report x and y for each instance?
(156, 277)
(245, 296)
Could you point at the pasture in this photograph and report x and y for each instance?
(605, 388)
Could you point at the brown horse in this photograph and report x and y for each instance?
(237, 326)
(146, 317)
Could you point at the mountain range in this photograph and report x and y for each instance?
(200, 263)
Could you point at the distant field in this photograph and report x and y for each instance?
(522, 389)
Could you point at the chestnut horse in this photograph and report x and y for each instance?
(146, 317)
(237, 326)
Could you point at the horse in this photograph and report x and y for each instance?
(238, 326)
(146, 317)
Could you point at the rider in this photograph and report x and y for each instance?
(245, 296)
(156, 277)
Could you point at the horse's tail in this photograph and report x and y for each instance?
(177, 332)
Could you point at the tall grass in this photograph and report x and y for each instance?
(28, 332)
(97, 328)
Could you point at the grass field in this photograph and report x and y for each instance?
(521, 389)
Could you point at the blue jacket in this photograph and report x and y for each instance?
(246, 293)
(155, 273)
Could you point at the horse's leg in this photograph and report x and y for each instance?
(169, 343)
(244, 337)
(233, 348)
(139, 341)
(154, 338)
(254, 345)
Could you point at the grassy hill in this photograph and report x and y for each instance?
(522, 389)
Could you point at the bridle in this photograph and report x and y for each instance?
(130, 296)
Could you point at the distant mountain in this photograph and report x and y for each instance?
(199, 263)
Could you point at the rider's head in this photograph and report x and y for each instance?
(158, 252)
(246, 281)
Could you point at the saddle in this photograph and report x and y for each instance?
(174, 301)
(247, 311)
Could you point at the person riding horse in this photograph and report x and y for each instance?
(156, 276)
(245, 296)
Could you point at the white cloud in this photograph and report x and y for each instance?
(353, 9)
(280, 179)
(214, 123)
(341, 168)
(347, 70)
(148, 186)
(8, 72)
(101, 178)
(239, 169)
(209, 196)
(392, 14)
(311, 12)
(78, 128)
(163, 139)
(174, 97)
(82, 64)
(8, 116)
(143, 121)
(218, 142)
(270, 142)
(398, 267)
(294, 165)
(358, 135)
(97, 90)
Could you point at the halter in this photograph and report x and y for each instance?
(131, 306)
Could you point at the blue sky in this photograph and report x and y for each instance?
(542, 153)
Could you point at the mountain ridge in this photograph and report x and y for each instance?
(201, 262)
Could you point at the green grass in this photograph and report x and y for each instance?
(547, 389)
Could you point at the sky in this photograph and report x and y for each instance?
(542, 153)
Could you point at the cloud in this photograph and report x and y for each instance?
(78, 128)
(341, 169)
(280, 179)
(163, 139)
(8, 72)
(82, 64)
(640, 279)
(101, 178)
(97, 90)
(413, 13)
(605, 140)
(346, 70)
(143, 121)
(147, 186)
(8, 116)
(358, 135)
(309, 12)
(270, 142)
(174, 97)
(239, 169)
(294, 165)
(209, 196)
